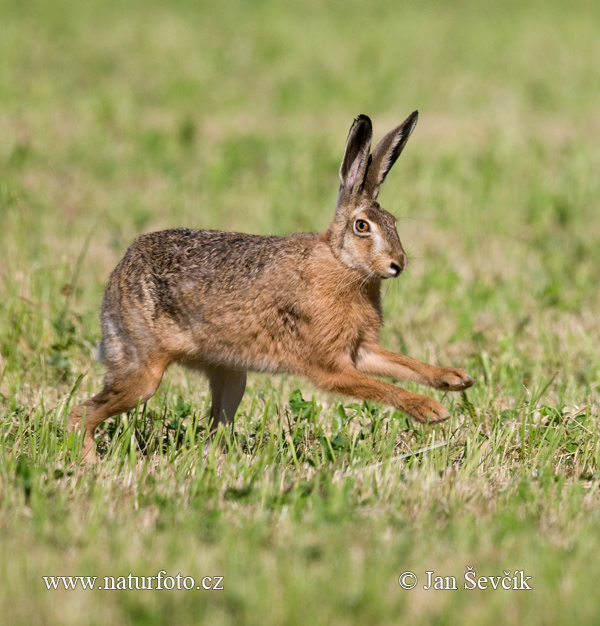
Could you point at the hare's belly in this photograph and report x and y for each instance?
(282, 339)
(271, 340)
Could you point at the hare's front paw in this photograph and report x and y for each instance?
(451, 379)
(426, 409)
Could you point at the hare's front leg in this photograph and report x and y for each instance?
(373, 359)
(351, 382)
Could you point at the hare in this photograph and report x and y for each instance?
(225, 303)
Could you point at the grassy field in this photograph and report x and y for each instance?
(118, 118)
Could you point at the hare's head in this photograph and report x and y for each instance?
(363, 235)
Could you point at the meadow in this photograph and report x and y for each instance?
(118, 118)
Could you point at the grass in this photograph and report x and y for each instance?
(121, 118)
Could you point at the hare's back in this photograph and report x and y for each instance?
(170, 270)
(217, 256)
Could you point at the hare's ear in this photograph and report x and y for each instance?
(385, 154)
(356, 156)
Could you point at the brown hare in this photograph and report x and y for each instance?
(225, 303)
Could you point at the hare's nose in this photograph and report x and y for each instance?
(395, 270)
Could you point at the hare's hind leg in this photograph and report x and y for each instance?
(227, 388)
(120, 394)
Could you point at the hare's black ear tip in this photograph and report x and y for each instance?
(411, 121)
(363, 119)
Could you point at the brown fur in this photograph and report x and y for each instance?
(226, 303)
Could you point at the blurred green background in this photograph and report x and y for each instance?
(118, 118)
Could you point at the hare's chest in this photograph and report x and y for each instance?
(344, 326)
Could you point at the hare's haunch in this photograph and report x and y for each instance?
(225, 303)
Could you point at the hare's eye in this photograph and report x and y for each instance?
(362, 226)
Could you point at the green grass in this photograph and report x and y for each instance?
(118, 118)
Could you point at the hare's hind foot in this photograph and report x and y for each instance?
(75, 423)
(116, 397)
